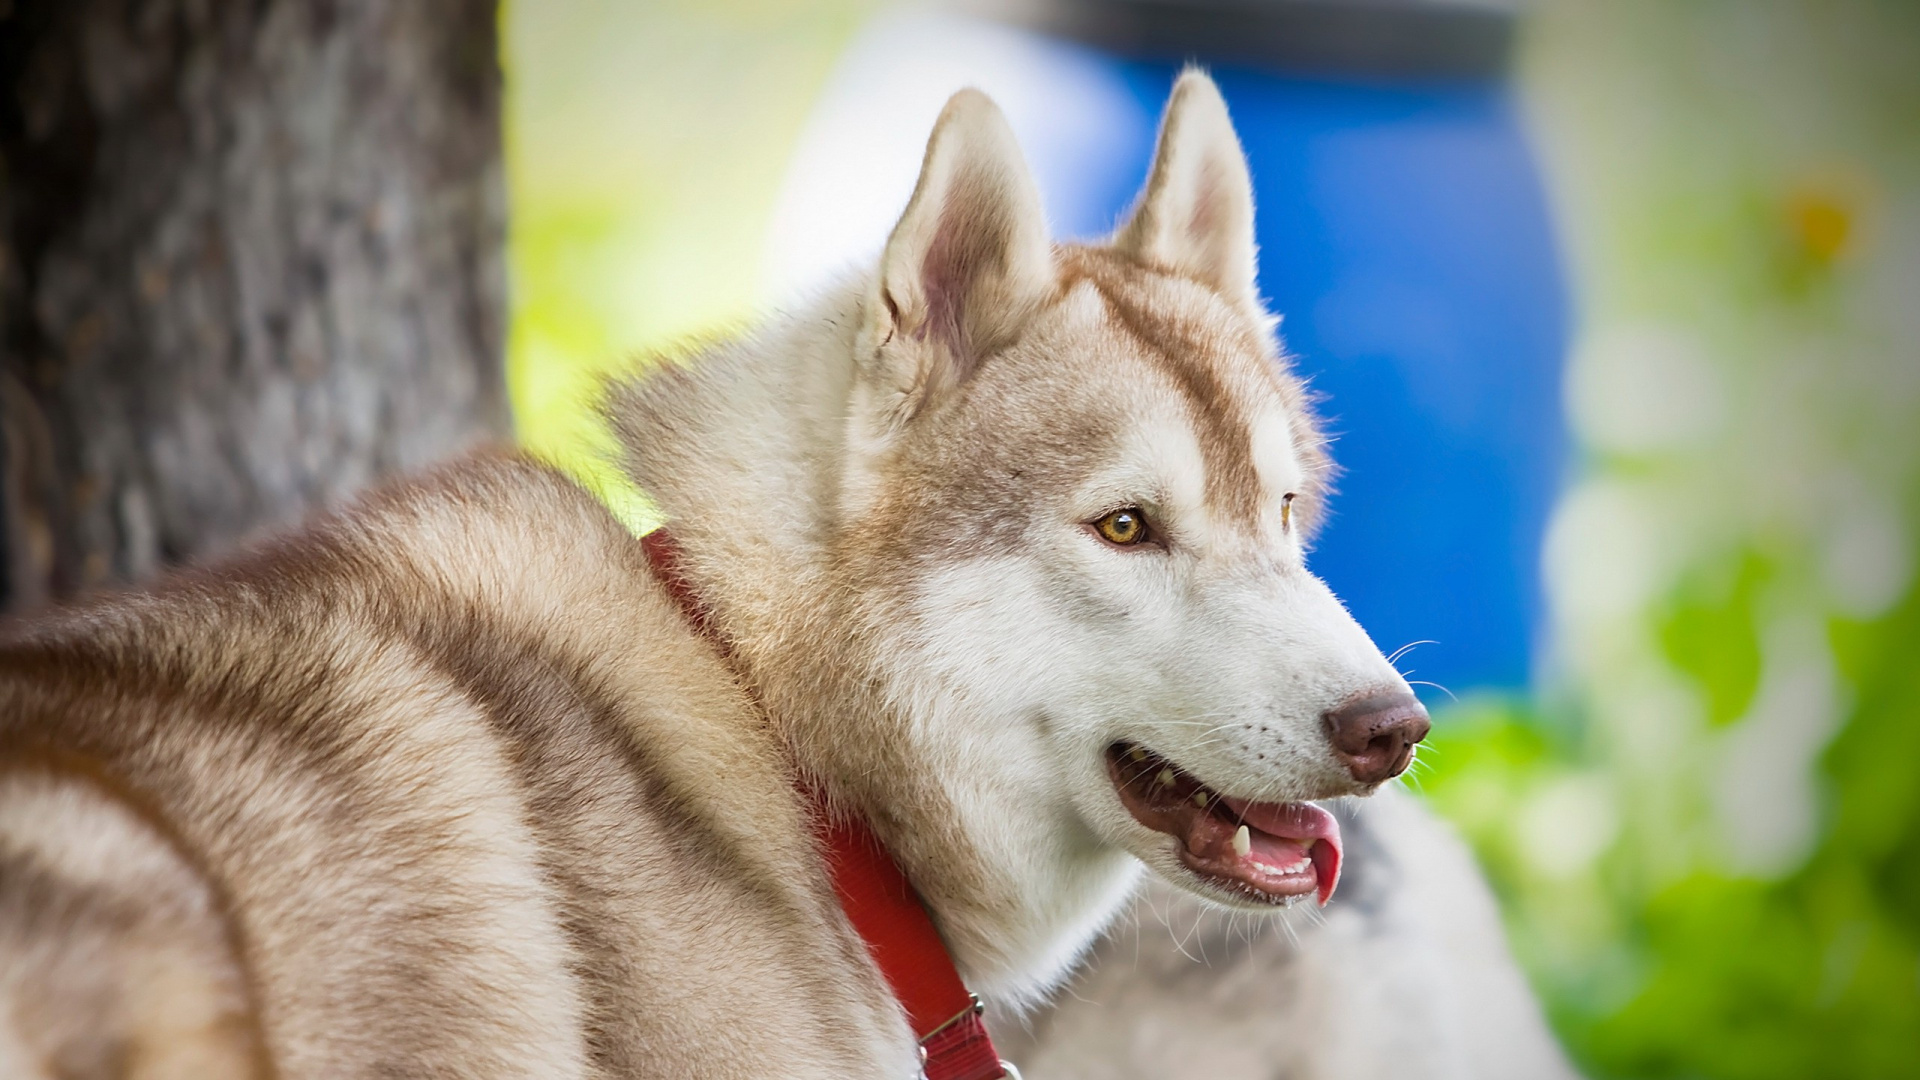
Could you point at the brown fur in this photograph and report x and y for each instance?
(1242, 365)
(402, 796)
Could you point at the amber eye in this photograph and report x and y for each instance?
(1124, 526)
(1286, 511)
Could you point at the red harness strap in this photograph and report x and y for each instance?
(878, 899)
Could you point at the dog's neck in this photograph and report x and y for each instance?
(743, 447)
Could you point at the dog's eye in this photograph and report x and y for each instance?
(1126, 526)
(1286, 511)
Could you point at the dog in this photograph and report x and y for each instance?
(997, 550)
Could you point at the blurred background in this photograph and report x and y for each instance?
(1616, 306)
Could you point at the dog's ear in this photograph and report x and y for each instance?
(968, 264)
(1195, 216)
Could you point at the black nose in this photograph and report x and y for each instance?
(1373, 735)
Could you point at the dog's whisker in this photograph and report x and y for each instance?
(1394, 657)
(1422, 682)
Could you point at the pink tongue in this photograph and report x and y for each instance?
(1302, 824)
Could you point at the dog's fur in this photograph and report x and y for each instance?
(445, 784)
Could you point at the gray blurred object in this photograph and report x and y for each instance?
(1407, 977)
(1445, 39)
(252, 261)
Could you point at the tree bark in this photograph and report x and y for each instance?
(252, 261)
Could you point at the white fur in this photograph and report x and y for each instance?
(995, 679)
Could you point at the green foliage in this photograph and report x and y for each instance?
(1740, 703)
(1756, 980)
(1814, 974)
(1708, 631)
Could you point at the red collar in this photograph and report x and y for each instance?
(878, 900)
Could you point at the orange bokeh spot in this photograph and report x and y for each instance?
(1822, 222)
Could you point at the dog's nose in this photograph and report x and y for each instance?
(1373, 736)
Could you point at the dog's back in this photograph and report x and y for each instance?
(439, 785)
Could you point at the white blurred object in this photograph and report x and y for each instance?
(1868, 559)
(1609, 550)
(1566, 824)
(1766, 790)
(1642, 389)
(857, 158)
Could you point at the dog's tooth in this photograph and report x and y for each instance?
(1242, 841)
(1137, 754)
(1166, 776)
(1200, 799)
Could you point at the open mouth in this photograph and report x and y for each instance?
(1266, 852)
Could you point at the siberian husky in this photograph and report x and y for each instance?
(1000, 548)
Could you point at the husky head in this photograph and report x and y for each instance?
(1090, 479)
(1058, 622)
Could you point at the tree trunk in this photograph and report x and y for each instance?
(252, 261)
